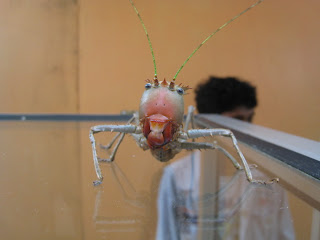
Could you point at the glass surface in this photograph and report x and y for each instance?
(47, 192)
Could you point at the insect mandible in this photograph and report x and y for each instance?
(158, 124)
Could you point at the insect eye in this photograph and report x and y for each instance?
(180, 91)
(148, 86)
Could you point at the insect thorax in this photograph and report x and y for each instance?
(164, 154)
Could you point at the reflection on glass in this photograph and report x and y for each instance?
(131, 213)
(46, 187)
(236, 209)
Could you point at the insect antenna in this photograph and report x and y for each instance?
(213, 33)
(150, 45)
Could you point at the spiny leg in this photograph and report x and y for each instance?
(228, 155)
(141, 141)
(205, 145)
(189, 119)
(114, 151)
(95, 160)
(193, 145)
(109, 145)
(107, 128)
(196, 133)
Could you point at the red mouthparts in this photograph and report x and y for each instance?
(158, 130)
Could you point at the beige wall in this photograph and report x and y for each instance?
(41, 180)
(38, 56)
(275, 46)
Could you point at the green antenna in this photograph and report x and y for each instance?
(150, 45)
(217, 30)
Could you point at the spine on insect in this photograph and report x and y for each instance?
(162, 107)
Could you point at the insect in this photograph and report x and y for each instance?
(158, 126)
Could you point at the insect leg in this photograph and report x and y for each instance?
(193, 145)
(205, 145)
(114, 151)
(189, 119)
(141, 141)
(108, 146)
(195, 133)
(108, 128)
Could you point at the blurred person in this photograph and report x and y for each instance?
(227, 96)
(234, 209)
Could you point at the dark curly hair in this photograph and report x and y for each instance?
(218, 95)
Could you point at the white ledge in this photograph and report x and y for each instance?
(294, 143)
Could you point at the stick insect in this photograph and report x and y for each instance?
(158, 124)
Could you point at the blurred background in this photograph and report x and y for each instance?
(92, 56)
